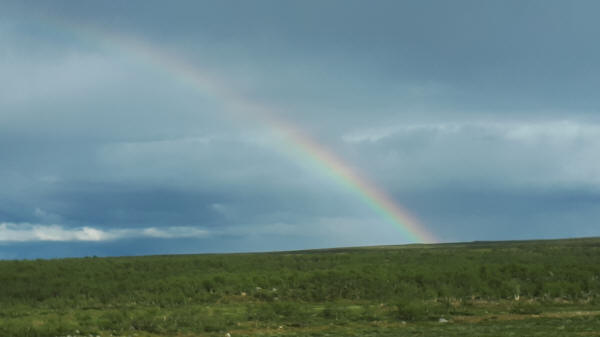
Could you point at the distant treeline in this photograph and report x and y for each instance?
(568, 269)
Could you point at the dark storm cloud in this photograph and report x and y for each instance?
(483, 213)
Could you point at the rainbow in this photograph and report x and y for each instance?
(305, 146)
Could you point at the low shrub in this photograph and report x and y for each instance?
(523, 308)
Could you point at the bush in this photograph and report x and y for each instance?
(526, 308)
(412, 310)
(332, 312)
(114, 320)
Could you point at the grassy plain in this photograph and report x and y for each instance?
(521, 288)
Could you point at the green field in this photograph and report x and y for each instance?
(520, 288)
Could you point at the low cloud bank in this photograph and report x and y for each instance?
(23, 232)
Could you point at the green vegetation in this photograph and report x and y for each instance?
(545, 288)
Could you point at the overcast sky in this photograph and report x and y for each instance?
(481, 118)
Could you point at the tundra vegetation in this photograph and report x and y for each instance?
(524, 288)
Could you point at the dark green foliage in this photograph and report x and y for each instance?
(526, 308)
(213, 293)
(412, 310)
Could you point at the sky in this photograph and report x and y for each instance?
(147, 127)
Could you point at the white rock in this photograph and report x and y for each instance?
(443, 320)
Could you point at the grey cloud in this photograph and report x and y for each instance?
(459, 212)
(24, 232)
(493, 153)
(508, 57)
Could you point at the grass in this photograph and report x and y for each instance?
(533, 288)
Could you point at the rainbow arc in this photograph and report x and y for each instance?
(182, 70)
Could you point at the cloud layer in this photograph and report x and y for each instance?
(25, 232)
(480, 118)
